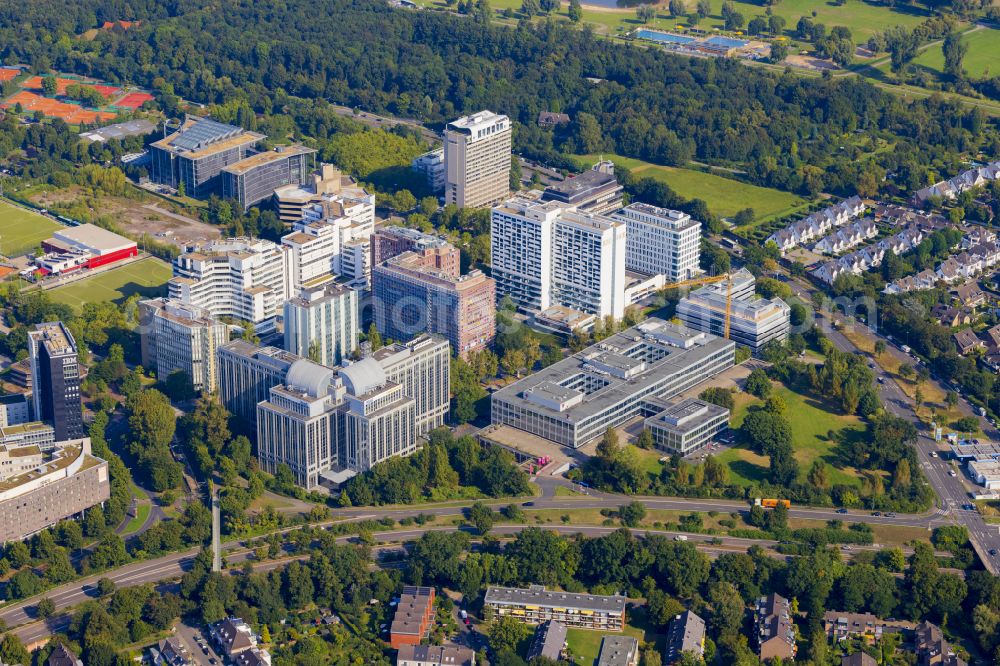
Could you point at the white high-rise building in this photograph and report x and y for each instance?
(477, 160)
(660, 241)
(588, 264)
(242, 278)
(312, 255)
(422, 367)
(545, 254)
(177, 336)
(322, 323)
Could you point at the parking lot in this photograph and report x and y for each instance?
(197, 643)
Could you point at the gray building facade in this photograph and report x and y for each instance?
(55, 372)
(255, 178)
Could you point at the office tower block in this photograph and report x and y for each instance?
(422, 367)
(477, 160)
(255, 178)
(322, 323)
(55, 371)
(247, 373)
(660, 241)
(422, 291)
(177, 336)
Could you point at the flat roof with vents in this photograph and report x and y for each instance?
(536, 595)
(198, 137)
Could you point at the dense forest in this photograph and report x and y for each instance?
(804, 135)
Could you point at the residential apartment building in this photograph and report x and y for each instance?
(686, 426)
(61, 656)
(434, 655)
(422, 367)
(593, 191)
(413, 618)
(575, 400)
(753, 322)
(422, 291)
(549, 641)
(55, 373)
(544, 254)
(775, 631)
(192, 158)
(247, 373)
(536, 605)
(171, 652)
(477, 160)
(254, 179)
(686, 634)
(176, 336)
(841, 626)
(73, 481)
(431, 166)
(322, 323)
(389, 242)
(241, 278)
(660, 241)
(619, 651)
(233, 636)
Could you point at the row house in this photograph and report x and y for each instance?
(848, 237)
(902, 216)
(816, 225)
(870, 257)
(922, 281)
(969, 263)
(949, 189)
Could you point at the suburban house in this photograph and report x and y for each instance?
(949, 316)
(971, 295)
(550, 119)
(846, 238)
(949, 189)
(967, 342)
(816, 225)
(932, 648)
(775, 631)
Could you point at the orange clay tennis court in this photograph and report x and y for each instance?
(8, 73)
(71, 113)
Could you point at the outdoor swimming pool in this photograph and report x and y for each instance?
(664, 37)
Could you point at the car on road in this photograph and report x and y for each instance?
(969, 507)
(680, 537)
(890, 514)
(528, 504)
(876, 513)
(841, 510)
(952, 472)
(934, 454)
(993, 552)
(881, 380)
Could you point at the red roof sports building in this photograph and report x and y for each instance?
(85, 246)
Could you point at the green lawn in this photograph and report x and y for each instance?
(811, 422)
(585, 645)
(21, 231)
(982, 58)
(146, 277)
(141, 514)
(724, 196)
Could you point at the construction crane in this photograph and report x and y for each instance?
(713, 279)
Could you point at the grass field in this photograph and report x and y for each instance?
(724, 196)
(863, 18)
(21, 231)
(811, 422)
(141, 514)
(146, 277)
(982, 58)
(585, 645)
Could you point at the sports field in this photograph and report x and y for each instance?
(145, 277)
(724, 196)
(22, 230)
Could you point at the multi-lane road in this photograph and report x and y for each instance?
(951, 490)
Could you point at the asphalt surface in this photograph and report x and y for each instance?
(951, 490)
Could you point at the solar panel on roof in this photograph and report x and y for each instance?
(203, 133)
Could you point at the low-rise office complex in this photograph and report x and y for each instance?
(422, 291)
(255, 178)
(323, 323)
(64, 483)
(753, 322)
(192, 158)
(686, 426)
(535, 605)
(576, 400)
(174, 336)
(593, 191)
